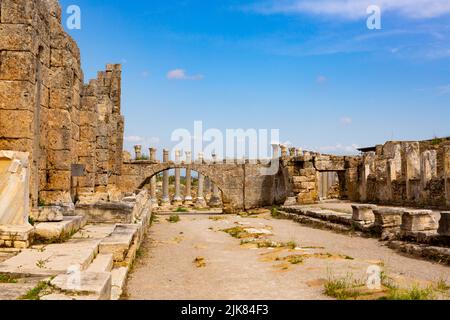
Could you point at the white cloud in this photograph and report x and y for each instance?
(444, 89)
(141, 140)
(134, 139)
(355, 9)
(346, 121)
(339, 148)
(180, 74)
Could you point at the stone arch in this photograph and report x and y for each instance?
(206, 170)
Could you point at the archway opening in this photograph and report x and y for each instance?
(331, 185)
(185, 191)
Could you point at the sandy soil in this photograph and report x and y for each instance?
(167, 267)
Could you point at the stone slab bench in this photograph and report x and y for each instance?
(96, 284)
(363, 213)
(58, 230)
(119, 241)
(418, 220)
(52, 259)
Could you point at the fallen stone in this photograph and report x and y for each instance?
(418, 220)
(291, 201)
(388, 218)
(363, 212)
(48, 214)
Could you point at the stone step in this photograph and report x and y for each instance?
(119, 278)
(102, 263)
(59, 230)
(95, 231)
(52, 259)
(119, 241)
(96, 284)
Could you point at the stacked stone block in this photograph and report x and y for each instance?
(46, 110)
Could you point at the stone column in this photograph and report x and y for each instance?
(394, 168)
(153, 196)
(138, 152)
(188, 193)
(412, 170)
(284, 151)
(166, 198)
(292, 152)
(447, 174)
(428, 166)
(215, 201)
(152, 153)
(200, 201)
(367, 169)
(177, 200)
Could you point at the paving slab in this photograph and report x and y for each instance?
(95, 283)
(119, 241)
(55, 230)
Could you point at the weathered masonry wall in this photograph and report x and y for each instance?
(407, 173)
(243, 185)
(46, 110)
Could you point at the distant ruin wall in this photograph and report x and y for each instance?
(47, 111)
(407, 174)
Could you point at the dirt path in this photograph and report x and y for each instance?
(225, 269)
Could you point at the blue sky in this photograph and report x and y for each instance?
(309, 68)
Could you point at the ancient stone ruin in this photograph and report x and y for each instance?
(62, 168)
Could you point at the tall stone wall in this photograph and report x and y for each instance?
(406, 173)
(47, 111)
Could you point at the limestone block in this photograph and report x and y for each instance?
(16, 124)
(363, 212)
(388, 217)
(17, 65)
(17, 11)
(48, 214)
(16, 95)
(444, 224)
(88, 283)
(14, 188)
(418, 220)
(291, 201)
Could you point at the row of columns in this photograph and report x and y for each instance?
(178, 199)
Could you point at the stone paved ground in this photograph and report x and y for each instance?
(166, 268)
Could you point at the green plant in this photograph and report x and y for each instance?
(414, 293)
(294, 259)
(342, 288)
(174, 218)
(441, 285)
(4, 278)
(31, 221)
(181, 210)
(34, 294)
(275, 213)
